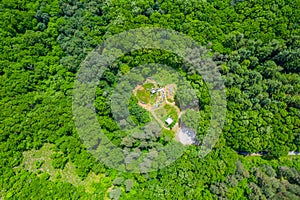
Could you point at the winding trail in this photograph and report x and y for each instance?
(163, 95)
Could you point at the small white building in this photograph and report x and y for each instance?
(169, 121)
(153, 91)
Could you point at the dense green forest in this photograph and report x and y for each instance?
(256, 46)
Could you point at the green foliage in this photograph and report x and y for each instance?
(39, 163)
(58, 160)
(143, 95)
(167, 135)
(128, 185)
(167, 111)
(262, 181)
(191, 119)
(118, 181)
(256, 46)
(148, 86)
(138, 114)
(115, 194)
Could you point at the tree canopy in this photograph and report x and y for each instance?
(256, 46)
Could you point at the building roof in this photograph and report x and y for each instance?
(169, 121)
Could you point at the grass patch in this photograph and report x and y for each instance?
(143, 96)
(148, 86)
(38, 161)
(170, 100)
(165, 112)
(153, 99)
(161, 113)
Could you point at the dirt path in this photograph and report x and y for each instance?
(157, 119)
(166, 93)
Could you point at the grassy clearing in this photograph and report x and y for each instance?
(148, 86)
(161, 113)
(165, 112)
(38, 161)
(143, 96)
(153, 99)
(170, 100)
